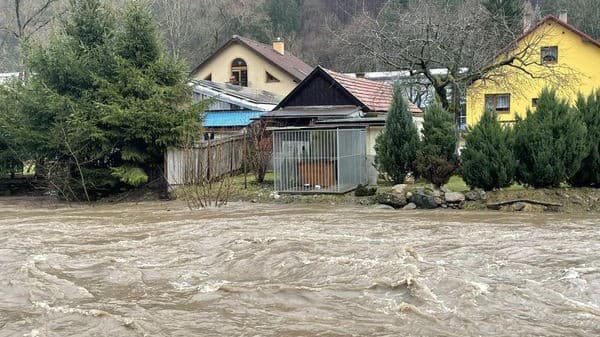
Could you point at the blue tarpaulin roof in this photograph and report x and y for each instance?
(216, 119)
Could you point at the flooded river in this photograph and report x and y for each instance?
(158, 269)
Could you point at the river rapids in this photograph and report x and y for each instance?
(159, 269)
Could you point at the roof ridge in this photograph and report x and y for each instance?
(289, 63)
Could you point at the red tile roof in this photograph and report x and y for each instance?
(377, 96)
(287, 62)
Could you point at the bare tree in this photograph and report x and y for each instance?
(261, 149)
(459, 38)
(20, 20)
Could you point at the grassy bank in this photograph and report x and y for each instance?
(573, 199)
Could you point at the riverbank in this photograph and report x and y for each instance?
(572, 200)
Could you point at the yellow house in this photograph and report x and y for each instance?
(551, 54)
(251, 64)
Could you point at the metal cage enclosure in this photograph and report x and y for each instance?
(319, 160)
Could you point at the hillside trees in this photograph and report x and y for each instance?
(397, 145)
(550, 143)
(506, 12)
(488, 161)
(105, 101)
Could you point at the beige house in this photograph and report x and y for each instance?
(251, 64)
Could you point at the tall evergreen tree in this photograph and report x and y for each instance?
(105, 102)
(550, 143)
(487, 159)
(589, 111)
(397, 145)
(437, 159)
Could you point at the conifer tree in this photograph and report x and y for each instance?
(105, 101)
(397, 145)
(437, 159)
(487, 159)
(589, 111)
(550, 143)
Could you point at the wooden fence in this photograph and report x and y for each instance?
(210, 159)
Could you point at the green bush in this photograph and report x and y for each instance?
(436, 159)
(550, 143)
(396, 147)
(589, 112)
(488, 161)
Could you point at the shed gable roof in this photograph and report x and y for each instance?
(289, 63)
(370, 95)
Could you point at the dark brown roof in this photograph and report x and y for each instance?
(313, 112)
(287, 62)
(377, 96)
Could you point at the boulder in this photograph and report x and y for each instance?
(365, 191)
(400, 189)
(454, 197)
(409, 179)
(391, 199)
(519, 206)
(380, 206)
(424, 201)
(475, 195)
(410, 206)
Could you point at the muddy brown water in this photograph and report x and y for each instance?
(158, 269)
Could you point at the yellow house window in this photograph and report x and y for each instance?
(498, 102)
(239, 72)
(549, 55)
(534, 102)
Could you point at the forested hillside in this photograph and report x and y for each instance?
(326, 32)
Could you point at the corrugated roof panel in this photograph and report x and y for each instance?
(220, 119)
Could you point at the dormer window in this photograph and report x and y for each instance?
(271, 78)
(549, 55)
(239, 72)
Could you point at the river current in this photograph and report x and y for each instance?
(159, 269)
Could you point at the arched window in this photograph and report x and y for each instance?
(239, 72)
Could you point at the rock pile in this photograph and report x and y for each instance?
(427, 198)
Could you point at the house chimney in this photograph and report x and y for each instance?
(528, 16)
(279, 45)
(564, 16)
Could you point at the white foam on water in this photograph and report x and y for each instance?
(212, 286)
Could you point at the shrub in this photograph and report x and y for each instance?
(488, 161)
(437, 159)
(550, 143)
(589, 112)
(396, 147)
